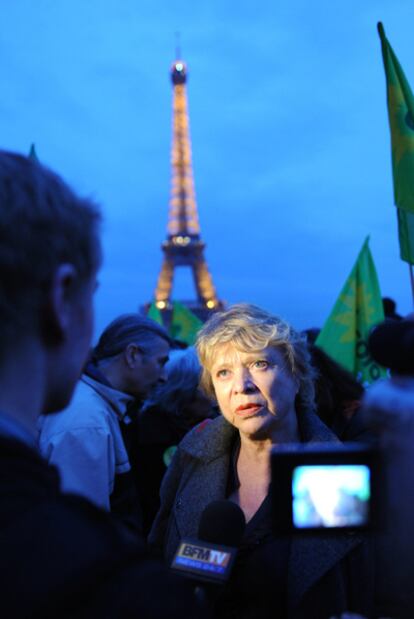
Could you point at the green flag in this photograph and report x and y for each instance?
(184, 324)
(155, 314)
(358, 308)
(401, 117)
(406, 235)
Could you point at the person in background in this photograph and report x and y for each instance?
(60, 556)
(390, 308)
(388, 409)
(93, 441)
(338, 397)
(258, 369)
(391, 344)
(171, 410)
(337, 394)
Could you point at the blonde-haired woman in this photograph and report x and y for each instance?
(258, 369)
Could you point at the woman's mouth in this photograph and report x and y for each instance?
(247, 410)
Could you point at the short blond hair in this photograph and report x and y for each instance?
(251, 329)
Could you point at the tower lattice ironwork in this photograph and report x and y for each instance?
(183, 246)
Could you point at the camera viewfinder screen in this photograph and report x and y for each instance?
(331, 495)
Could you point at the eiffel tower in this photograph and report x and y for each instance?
(183, 246)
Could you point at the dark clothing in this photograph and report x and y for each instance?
(258, 583)
(124, 500)
(157, 433)
(324, 576)
(60, 556)
(353, 428)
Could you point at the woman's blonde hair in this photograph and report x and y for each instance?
(250, 329)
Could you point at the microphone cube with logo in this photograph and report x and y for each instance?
(210, 557)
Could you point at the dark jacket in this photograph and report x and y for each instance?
(60, 556)
(157, 435)
(325, 575)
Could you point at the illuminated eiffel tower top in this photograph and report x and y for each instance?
(183, 246)
(183, 217)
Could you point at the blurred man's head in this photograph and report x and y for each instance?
(388, 410)
(49, 256)
(132, 352)
(391, 344)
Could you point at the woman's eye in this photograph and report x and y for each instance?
(222, 373)
(261, 364)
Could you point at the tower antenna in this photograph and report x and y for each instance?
(177, 45)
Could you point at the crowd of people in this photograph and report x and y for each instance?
(111, 455)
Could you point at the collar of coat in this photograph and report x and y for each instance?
(311, 556)
(117, 400)
(213, 438)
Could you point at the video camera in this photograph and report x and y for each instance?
(323, 488)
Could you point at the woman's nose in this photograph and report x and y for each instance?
(243, 382)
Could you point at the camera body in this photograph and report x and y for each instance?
(326, 488)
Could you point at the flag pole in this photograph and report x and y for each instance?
(410, 267)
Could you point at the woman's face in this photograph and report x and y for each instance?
(256, 391)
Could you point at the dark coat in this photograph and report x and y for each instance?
(60, 556)
(325, 575)
(156, 433)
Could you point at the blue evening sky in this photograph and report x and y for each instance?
(290, 138)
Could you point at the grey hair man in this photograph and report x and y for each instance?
(93, 442)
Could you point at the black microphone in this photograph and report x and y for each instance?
(222, 522)
(210, 557)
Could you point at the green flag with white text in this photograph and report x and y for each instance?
(358, 308)
(184, 324)
(400, 102)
